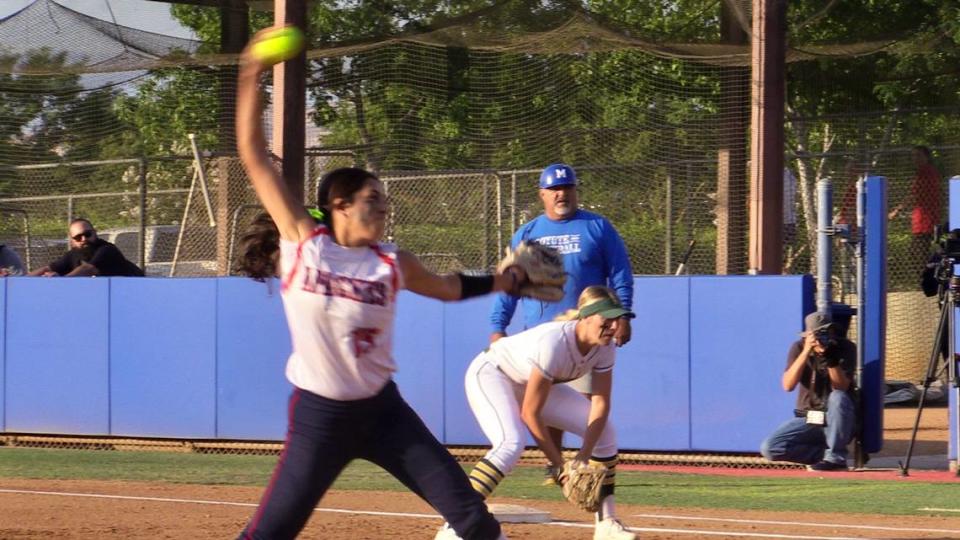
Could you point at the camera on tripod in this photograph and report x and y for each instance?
(939, 280)
(950, 245)
(938, 275)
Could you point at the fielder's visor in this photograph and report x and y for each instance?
(606, 308)
(557, 175)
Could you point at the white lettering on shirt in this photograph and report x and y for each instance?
(564, 243)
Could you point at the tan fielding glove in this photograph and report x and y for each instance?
(544, 268)
(581, 483)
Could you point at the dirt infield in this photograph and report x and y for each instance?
(932, 434)
(88, 510)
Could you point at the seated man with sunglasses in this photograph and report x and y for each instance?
(89, 256)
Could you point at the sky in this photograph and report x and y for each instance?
(142, 14)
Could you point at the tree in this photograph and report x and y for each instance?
(453, 100)
(918, 71)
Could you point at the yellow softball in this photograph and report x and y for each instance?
(278, 45)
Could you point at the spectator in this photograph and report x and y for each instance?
(822, 364)
(593, 254)
(89, 256)
(846, 220)
(925, 197)
(847, 214)
(10, 263)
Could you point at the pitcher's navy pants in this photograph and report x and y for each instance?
(324, 435)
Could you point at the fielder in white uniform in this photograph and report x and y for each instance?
(514, 386)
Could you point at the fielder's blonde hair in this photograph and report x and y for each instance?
(591, 294)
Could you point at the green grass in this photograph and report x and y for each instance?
(138, 466)
(669, 490)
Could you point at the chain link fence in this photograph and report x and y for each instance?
(911, 316)
(461, 220)
(464, 454)
(458, 125)
(160, 212)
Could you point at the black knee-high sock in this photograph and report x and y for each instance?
(609, 480)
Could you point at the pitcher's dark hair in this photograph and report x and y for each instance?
(258, 249)
(259, 246)
(340, 184)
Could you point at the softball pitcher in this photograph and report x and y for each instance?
(514, 386)
(339, 287)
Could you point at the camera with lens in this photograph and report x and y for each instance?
(831, 349)
(950, 245)
(825, 338)
(939, 269)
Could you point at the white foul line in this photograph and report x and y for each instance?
(716, 533)
(939, 509)
(434, 516)
(123, 497)
(202, 501)
(805, 523)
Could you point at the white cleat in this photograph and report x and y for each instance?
(612, 529)
(446, 533)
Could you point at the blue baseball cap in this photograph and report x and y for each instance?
(557, 175)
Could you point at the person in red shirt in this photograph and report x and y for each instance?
(847, 217)
(925, 195)
(848, 204)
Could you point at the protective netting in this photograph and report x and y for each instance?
(879, 144)
(458, 117)
(90, 45)
(46, 37)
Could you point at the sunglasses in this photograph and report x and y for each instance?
(84, 234)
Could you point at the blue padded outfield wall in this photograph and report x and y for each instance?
(56, 365)
(953, 393)
(874, 316)
(3, 339)
(204, 359)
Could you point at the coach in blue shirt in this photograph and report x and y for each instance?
(593, 254)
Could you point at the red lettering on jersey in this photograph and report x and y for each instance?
(359, 290)
(363, 340)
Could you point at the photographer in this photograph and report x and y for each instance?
(822, 363)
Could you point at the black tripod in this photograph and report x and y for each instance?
(949, 295)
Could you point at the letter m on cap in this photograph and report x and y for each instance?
(560, 173)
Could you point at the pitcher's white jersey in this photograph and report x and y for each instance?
(550, 348)
(340, 304)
